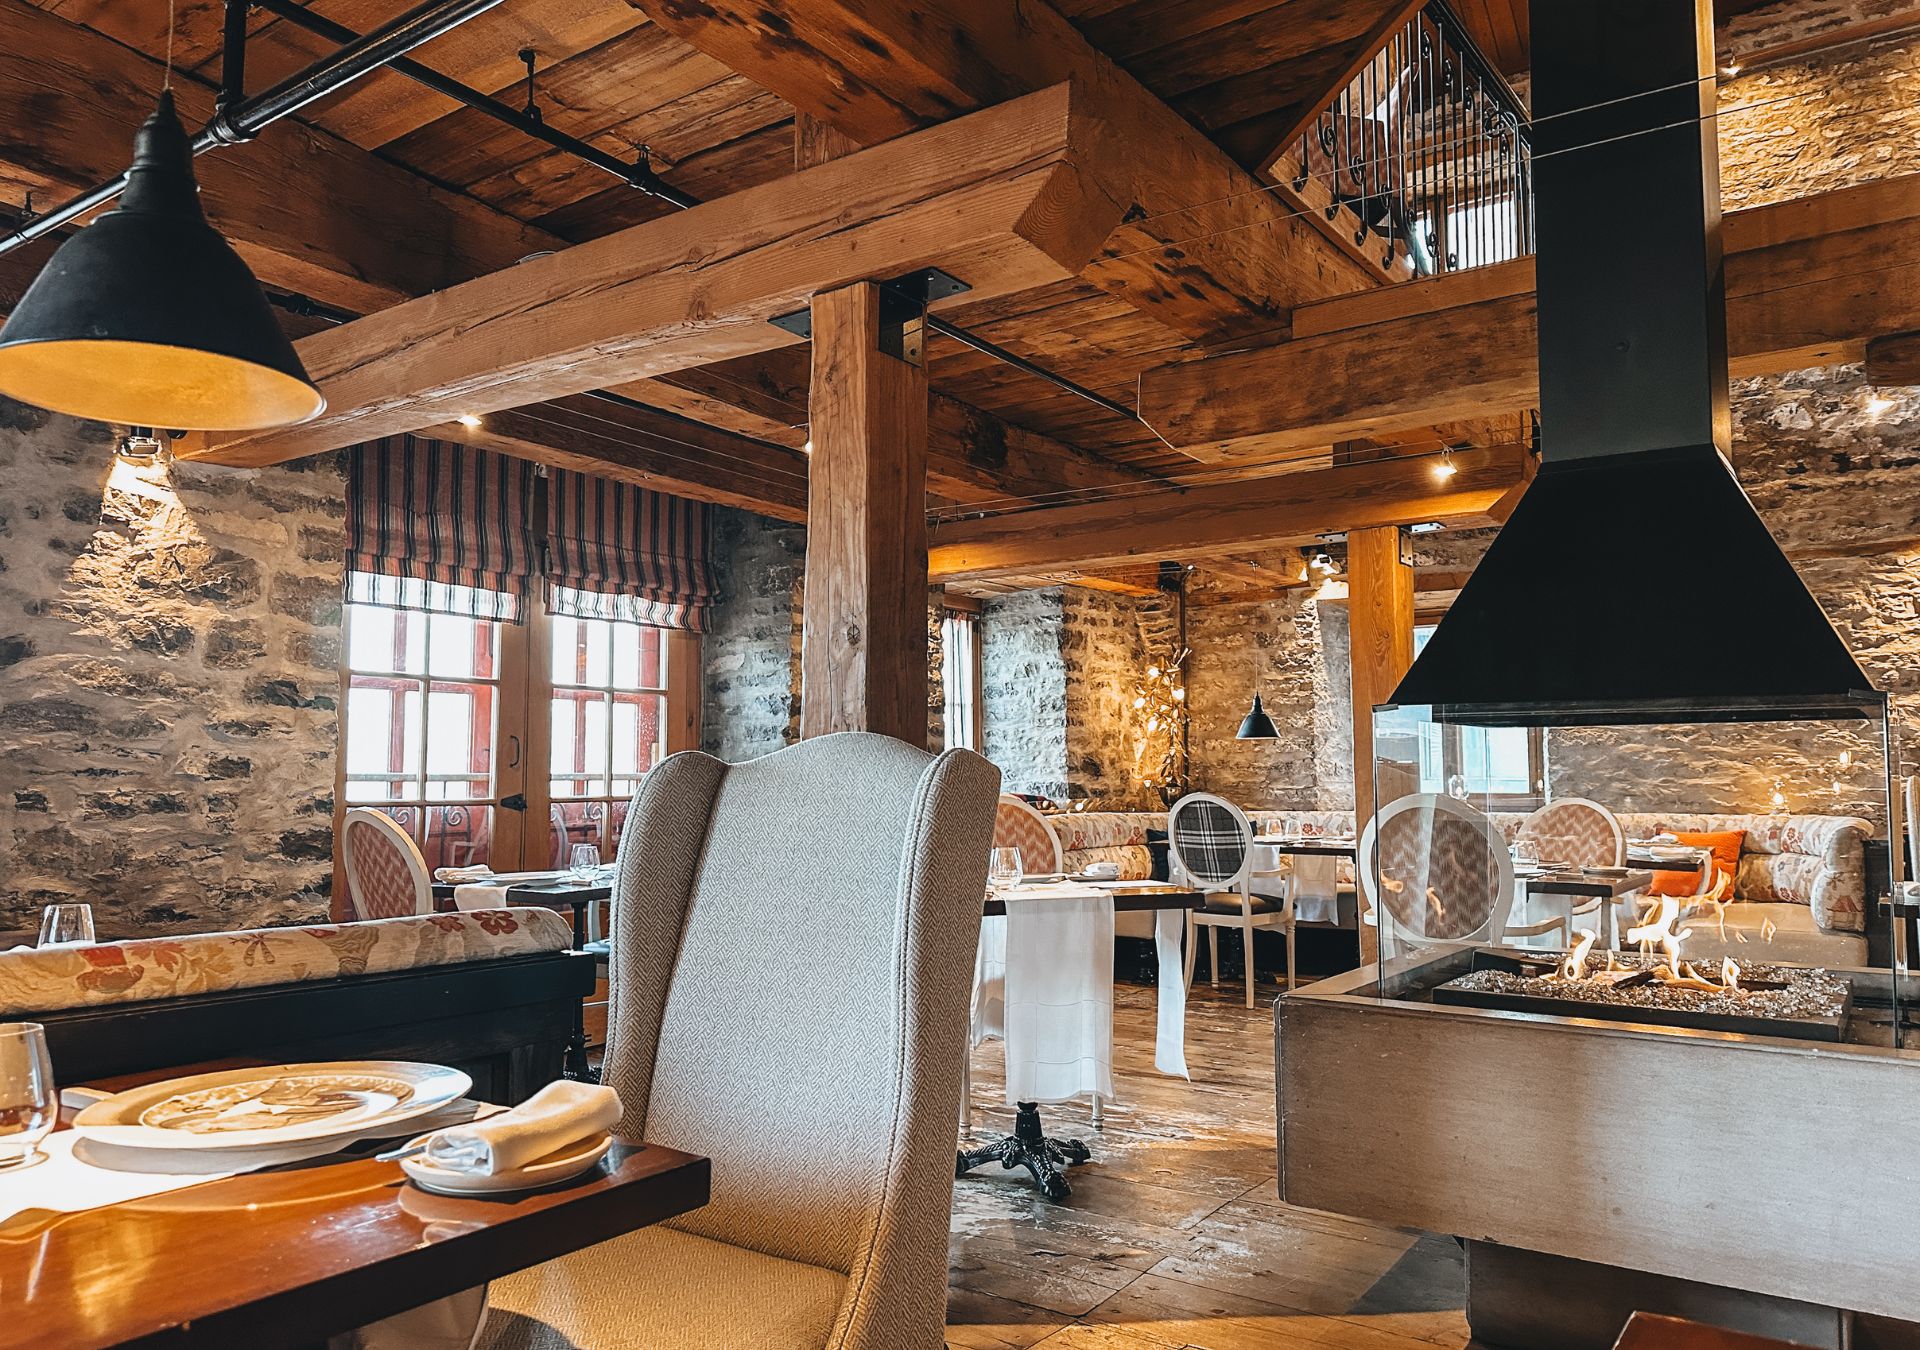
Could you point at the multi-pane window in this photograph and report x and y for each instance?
(1503, 766)
(606, 724)
(422, 705)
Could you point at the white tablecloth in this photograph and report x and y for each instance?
(1044, 980)
(1316, 877)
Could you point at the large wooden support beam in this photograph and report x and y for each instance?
(863, 651)
(653, 449)
(1006, 198)
(1238, 517)
(1380, 618)
(1207, 250)
(308, 211)
(1809, 283)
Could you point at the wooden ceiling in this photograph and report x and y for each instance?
(1500, 26)
(624, 74)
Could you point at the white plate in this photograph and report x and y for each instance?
(562, 1165)
(272, 1105)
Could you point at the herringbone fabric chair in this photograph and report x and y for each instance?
(386, 876)
(789, 998)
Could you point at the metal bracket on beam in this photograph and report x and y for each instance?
(902, 300)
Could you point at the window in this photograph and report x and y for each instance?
(421, 717)
(1504, 765)
(437, 728)
(960, 677)
(606, 725)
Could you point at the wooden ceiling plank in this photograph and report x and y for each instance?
(1005, 197)
(1809, 282)
(1229, 518)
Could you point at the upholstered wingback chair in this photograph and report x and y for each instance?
(792, 949)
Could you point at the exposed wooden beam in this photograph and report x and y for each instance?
(309, 211)
(1228, 517)
(1894, 360)
(657, 450)
(1206, 248)
(1005, 197)
(863, 651)
(1809, 282)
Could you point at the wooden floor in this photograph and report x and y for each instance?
(1174, 1235)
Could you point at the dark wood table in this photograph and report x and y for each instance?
(1131, 897)
(288, 1257)
(1316, 848)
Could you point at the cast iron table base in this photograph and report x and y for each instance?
(1030, 1148)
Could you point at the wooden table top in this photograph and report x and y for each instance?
(1579, 883)
(289, 1257)
(562, 892)
(1129, 897)
(1321, 848)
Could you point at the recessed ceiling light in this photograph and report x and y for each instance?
(1444, 467)
(469, 420)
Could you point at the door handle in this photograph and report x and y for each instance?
(513, 743)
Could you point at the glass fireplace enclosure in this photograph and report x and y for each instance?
(1655, 865)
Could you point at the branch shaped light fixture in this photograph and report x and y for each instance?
(148, 317)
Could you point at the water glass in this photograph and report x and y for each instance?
(1526, 851)
(29, 1102)
(66, 925)
(1004, 870)
(585, 860)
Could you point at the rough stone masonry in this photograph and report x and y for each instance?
(169, 650)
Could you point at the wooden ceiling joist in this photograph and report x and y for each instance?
(1229, 518)
(1205, 249)
(1008, 198)
(1809, 282)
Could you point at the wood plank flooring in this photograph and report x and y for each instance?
(1175, 1235)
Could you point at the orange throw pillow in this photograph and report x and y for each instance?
(1726, 861)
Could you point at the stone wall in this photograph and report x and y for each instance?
(1023, 677)
(169, 647)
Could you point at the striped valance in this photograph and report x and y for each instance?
(436, 525)
(615, 551)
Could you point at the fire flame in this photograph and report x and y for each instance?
(1656, 929)
(1575, 966)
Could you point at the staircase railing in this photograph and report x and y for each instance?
(1425, 152)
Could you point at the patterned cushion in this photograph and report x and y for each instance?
(1209, 841)
(1018, 827)
(1102, 829)
(202, 963)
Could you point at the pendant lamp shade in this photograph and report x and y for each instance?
(1257, 726)
(149, 318)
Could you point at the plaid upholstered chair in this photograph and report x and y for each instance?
(1210, 841)
(824, 1085)
(386, 876)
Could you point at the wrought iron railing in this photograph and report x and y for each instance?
(1424, 153)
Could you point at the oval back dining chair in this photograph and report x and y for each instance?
(1210, 841)
(386, 876)
(1581, 833)
(1018, 825)
(1434, 870)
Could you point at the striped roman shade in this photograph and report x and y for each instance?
(615, 551)
(435, 525)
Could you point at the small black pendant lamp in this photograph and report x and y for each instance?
(148, 317)
(1257, 726)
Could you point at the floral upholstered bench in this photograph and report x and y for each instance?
(495, 992)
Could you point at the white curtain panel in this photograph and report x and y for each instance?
(1059, 991)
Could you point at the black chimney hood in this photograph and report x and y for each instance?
(1602, 600)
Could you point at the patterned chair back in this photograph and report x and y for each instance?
(386, 876)
(1211, 840)
(1436, 870)
(1017, 825)
(1575, 830)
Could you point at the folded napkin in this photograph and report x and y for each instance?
(491, 891)
(559, 1114)
(459, 874)
(1102, 871)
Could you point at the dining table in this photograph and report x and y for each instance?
(290, 1255)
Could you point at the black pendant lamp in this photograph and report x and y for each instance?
(149, 318)
(1257, 726)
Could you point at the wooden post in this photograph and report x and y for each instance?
(863, 652)
(1380, 638)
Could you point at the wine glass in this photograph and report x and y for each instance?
(1004, 869)
(29, 1103)
(66, 925)
(585, 860)
(1527, 852)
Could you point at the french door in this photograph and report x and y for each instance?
(445, 715)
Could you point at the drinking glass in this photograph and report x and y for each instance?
(1526, 851)
(29, 1103)
(1004, 870)
(585, 859)
(66, 925)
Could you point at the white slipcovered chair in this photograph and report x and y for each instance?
(824, 1085)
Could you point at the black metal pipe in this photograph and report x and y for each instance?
(245, 119)
(1020, 363)
(638, 175)
(233, 55)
